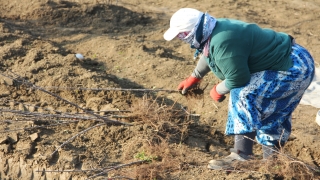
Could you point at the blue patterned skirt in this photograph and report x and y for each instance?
(266, 103)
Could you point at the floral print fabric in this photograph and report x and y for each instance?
(266, 103)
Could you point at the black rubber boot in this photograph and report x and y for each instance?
(244, 145)
(242, 151)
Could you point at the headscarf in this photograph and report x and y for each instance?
(199, 37)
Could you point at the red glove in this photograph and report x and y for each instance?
(187, 84)
(215, 95)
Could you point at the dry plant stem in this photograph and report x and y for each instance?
(266, 146)
(42, 115)
(121, 177)
(116, 167)
(110, 89)
(35, 127)
(105, 120)
(305, 165)
(108, 111)
(293, 160)
(73, 137)
(196, 115)
(26, 119)
(60, 112)
(117, 116)
(30, 105)
(75, 170)
(237, 171)
(151, 105)
(29, 84)
(215, 105)
(30, 114)
(281, 138)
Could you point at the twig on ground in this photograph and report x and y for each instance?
(196, 115)
(215, 105)
(120, 177)
(108, 111)
(73, 137)
(106, 170)
(43, 115)
(33, 86)
(238, 171)
(75, 170)
(35, 127)
(290, 158)
(38, 107)
(34, 115)
(60, 112)
(110, 89)
(79, 170)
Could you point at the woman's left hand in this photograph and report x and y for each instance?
(215, 95)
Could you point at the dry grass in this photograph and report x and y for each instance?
(164, 160)
(160, 153)
(281, 166)
(161, 148)
(167, 122)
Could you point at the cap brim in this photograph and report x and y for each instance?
(170, 34)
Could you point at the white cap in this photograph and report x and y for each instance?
(183, 20)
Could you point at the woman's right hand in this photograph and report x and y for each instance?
(187, 84)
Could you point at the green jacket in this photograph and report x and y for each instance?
(238, 49)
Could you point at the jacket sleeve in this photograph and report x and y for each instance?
(222, 88)
(201, 69)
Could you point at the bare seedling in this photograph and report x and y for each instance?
(280, 164)
(196, 92)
